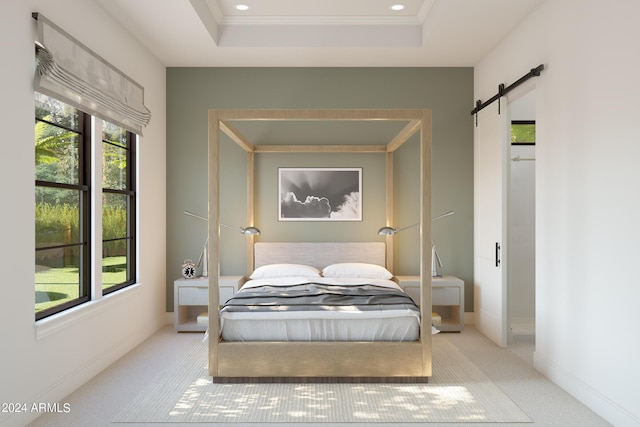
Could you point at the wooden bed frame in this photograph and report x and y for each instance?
(382, 360)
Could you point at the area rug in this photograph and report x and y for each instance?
(458, 392)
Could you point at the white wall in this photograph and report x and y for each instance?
(45, 363)
(588, 204)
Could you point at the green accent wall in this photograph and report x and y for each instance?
(448, 92)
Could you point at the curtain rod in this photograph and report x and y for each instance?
(504, 90)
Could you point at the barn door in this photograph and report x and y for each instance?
(491, 141)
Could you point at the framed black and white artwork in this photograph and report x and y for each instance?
(320, 194)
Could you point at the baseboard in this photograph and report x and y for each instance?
(523, 326)
(520, 326)
(468, 318)
(593, 399)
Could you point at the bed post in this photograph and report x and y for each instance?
(250, 208)
(214, 239)
(425, 241)
(389, 207)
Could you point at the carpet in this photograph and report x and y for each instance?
(458, 392)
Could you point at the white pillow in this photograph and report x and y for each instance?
(356, 269)
(271, 271)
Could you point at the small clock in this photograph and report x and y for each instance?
(188, 269)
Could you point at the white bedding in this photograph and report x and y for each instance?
(345, 323)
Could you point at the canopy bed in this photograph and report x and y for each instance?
(356, 354)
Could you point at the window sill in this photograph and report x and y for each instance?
(61, 321)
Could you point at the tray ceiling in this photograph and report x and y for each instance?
(319, 33)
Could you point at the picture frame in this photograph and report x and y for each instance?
(320, 194)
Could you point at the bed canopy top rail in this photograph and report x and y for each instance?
(321, 115)
(234, 133)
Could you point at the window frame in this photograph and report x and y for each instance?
(522, 122)
(84, 203)
(130, 193)
(89, 185)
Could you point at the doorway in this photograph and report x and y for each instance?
(521, 223)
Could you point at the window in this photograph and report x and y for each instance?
(118, 208)
(523, 132)
(62, 200)
(63, 207)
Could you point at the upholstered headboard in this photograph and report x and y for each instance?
(318, 254)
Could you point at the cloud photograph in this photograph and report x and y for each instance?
(320, 194)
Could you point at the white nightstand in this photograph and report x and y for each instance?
(191, 301)
(447, 299)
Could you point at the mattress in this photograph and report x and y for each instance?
(320, 309)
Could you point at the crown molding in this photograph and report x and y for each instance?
(320, 20)
(351, 20)
(427, 5)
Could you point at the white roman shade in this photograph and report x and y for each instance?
(70, 72)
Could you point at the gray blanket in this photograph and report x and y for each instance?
(319, 297)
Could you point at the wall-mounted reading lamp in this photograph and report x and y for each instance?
(248, 231)
(435, 258)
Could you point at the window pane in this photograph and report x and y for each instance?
(114, 167)
(114, 134)
(114, 216)
(115, 263)
(62, 208)
(57, 112)
(57, 277)
(56, 150)
(523, 132)
(57, 217)
(117, 231)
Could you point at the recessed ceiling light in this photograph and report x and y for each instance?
(397, 7)
(242, 7)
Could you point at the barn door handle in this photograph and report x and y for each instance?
(497, 254)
